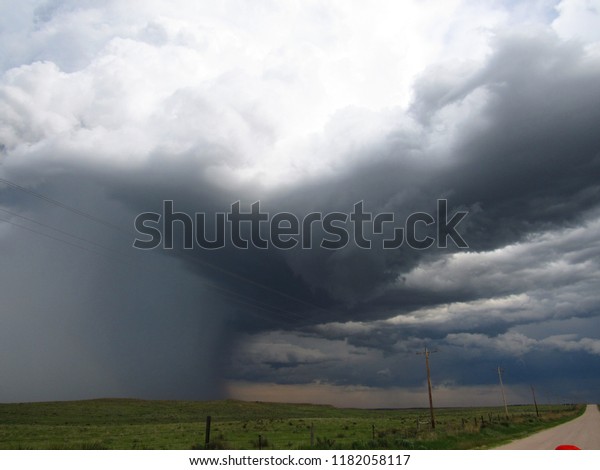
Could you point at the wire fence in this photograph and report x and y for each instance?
(401, 433)
(366, 429)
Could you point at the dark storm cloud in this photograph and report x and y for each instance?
(532, 163)
(512, 140)
(524, 160)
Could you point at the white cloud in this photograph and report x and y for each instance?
(544, 260)
(514, 344)
(578, 19)
(288, 348)
(570, 342)
(255, 88)
(517, 344)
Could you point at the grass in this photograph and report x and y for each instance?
(140, 424)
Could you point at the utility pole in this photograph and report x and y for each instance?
(537, 413)
(207, 433)
(426, 353)
(502, 389)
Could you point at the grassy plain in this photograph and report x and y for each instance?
(140, 424)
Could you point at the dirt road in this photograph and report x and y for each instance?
(584, 432)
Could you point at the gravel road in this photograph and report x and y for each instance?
(584, 432)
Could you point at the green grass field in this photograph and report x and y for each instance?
(139, 424)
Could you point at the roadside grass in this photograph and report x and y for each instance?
(140, 424)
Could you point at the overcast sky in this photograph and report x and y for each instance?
(108, 108)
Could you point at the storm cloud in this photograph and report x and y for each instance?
(108, 109)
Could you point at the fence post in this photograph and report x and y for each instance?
(259, 442)
(312, 434)
(207, 433)
(373, 431)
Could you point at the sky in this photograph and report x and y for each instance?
(109, 108)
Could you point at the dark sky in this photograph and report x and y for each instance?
(107, 109)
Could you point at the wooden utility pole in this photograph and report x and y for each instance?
(426, 353)
(537, 413)
(207, 433)
(502, 390)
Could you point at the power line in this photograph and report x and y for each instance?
(234, 296)
(62, 205)
(58, 239)
(62, 232)
(212, 266)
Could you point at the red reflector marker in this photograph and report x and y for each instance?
(567, 447)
